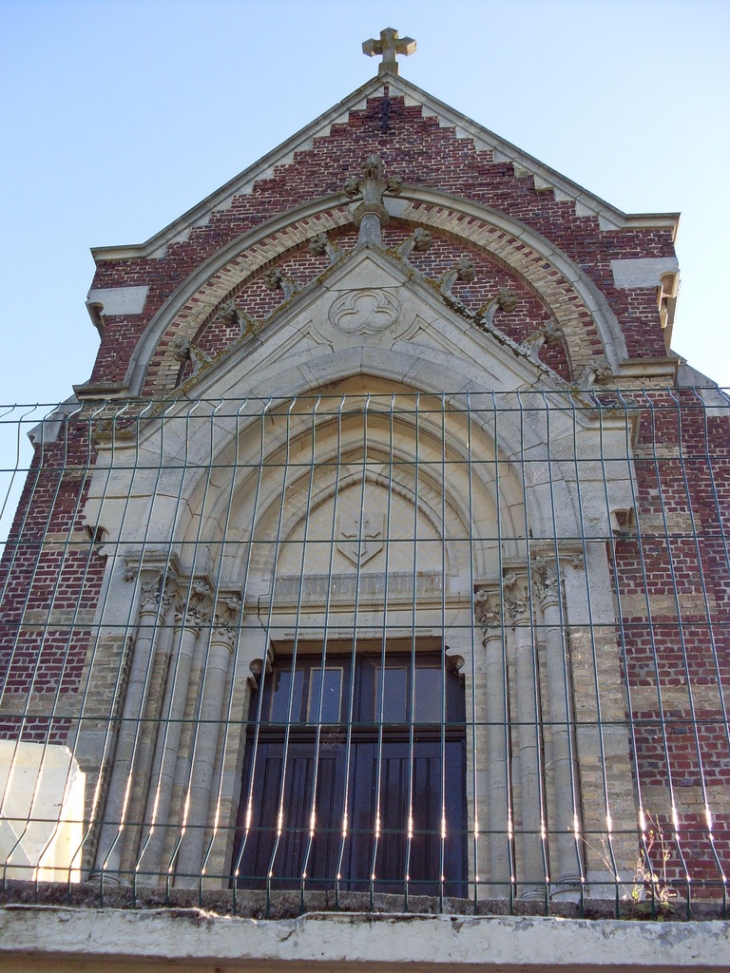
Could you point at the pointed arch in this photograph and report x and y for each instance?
(561, 284)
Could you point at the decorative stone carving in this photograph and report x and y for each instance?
(259, 666)
(487, 607)
(506, 300)
(197, 611)
(361, 540)
(389, 46)
(149, 586)
(226, 617)
(547, 582)
(596, 372)
(488, 613)
(276, 280)
(182, 350)
(230, 313)
(515, 599)
(364, 312)
(463, 270)
(149, 597)
(371, 215)
(170, 597)
(419, 240)
(322, 245)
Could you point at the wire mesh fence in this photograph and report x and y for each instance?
(467, 647)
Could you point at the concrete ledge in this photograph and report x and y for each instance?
(36, 938)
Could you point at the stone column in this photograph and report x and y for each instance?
(531, 881)
(189, 620)
(602, 737)
(222, 636)
(148, 728)
(109, 850)
(488, 614)
(565, 820)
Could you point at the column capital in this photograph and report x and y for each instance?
(228, 610)
(546, 580)
(515, 599)
(195, 613)
(488, 612)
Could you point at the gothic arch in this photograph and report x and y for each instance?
(567, 290)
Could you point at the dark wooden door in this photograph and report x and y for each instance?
(378, 800)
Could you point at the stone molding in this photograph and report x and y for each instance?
(521, 250)
(609, 216)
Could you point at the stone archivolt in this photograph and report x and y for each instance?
(573, 321)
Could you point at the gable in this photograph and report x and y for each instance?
(459, 180)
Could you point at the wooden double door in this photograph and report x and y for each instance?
(355, 774)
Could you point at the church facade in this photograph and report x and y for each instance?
(381, 564)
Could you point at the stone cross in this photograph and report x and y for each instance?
(389, 45)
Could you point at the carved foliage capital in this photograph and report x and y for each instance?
(196, 612)
(515, 598)
(227, 613)
(546, 579)
(488, 613)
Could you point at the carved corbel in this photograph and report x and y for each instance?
(506, 300)
(230, 313)
(183, 351)
(463, 270)
(322, 245)
(596, 372)
(549, 334)
(276, 280)
(420, 241)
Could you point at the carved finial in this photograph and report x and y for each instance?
(370, 215)
(389, 46)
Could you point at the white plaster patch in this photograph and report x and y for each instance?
(119, 300)
(642, 271)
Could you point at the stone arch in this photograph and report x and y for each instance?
(566, 289)
(522, 507)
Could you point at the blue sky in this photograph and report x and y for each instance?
(117, 117)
